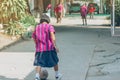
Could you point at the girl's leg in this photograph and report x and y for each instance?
(85, 21)
(56, 17)
(38, 69)
(92, 15)
(56, 68)
(61, 15)
(58, 76)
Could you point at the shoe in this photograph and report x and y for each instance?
(59, 77)
(37, 78)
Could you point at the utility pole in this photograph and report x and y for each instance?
(113, 18)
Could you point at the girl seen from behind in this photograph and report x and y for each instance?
(46, 49)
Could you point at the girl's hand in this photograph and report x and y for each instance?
(57, 50)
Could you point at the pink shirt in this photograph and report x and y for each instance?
(42, 38)
(59, 8)
(49, 6)
(83, 10)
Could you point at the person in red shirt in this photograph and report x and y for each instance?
(58, 12)
(91, 11)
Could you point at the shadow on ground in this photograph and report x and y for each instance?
(5, 78)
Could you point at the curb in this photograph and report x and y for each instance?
(10, 44)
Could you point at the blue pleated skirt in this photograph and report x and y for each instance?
(46, 59)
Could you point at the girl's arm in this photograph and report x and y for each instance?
(54, 40)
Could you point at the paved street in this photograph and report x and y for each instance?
(70, 48)
(86, 53)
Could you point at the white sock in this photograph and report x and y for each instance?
(56, 73)
(37, 75)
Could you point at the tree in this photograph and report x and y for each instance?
(14, 14)
(12, 10)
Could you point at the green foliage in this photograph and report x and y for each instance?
(12, 10)
(28, 21)
(20, 27)
(13, 13)
(14, 28)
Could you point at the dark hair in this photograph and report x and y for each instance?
(44, 18)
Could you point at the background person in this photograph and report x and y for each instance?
(83, 12)
(91, 11)
(48, 9)
(58, 12)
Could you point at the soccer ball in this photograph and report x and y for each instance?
(43, 74)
